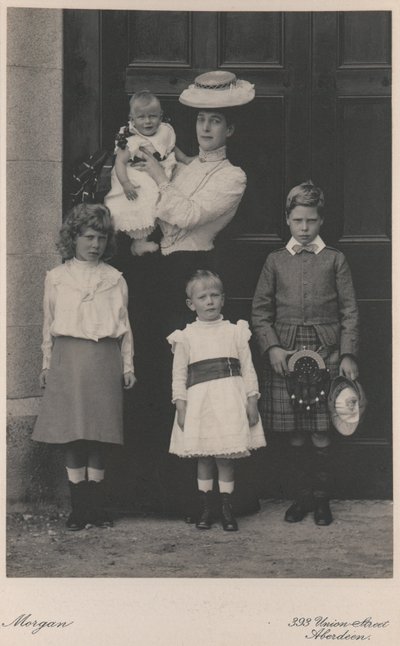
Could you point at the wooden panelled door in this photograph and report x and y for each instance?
(322, 111)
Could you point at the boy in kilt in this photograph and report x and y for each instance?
(305, 300)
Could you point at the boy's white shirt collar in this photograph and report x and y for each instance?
(317, 240)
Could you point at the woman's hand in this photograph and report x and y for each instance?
(181, 412)
(278, 358)
(129, 380)
(252, 410)
(43, 378)
(151, 166)
(130, 190)
(348, 368)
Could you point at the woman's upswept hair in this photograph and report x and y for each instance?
(84, 216)
(305, 194)
(205, 276)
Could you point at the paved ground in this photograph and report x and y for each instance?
(358, 544)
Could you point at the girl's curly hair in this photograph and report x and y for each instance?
(84, 216)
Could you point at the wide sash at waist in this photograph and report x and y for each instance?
(209, 369)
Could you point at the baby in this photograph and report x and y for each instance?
(133, 195)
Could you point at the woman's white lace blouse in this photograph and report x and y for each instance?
(200, 201)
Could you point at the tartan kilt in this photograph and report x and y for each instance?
(277, 411)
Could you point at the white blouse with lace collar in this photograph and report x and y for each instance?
(88, 301)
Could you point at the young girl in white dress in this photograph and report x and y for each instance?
(215, 391)
(133, 195)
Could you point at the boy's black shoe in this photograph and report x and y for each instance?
(322, 512)
(299, 509)
(295, 513)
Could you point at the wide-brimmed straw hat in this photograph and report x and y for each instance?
(218, 89)
(347, 404)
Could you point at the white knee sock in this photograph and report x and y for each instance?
(205, 485)
(95, 475)
(226, 487)
(76, 475)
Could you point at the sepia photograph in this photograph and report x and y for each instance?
(198, 334)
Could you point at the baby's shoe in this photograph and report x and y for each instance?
(141, 246)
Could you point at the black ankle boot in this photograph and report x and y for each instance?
(229, 523)
(78, 517)
(96, 499)
(322, 512)
(205, 518)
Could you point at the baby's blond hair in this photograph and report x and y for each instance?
(144, 97)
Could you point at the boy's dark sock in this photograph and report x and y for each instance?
(300, 481)
(322, 484)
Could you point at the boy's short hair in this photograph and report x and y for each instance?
(144, 97)
(86, 216)
(305, 194)
(203, 275)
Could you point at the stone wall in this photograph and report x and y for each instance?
(34, 199)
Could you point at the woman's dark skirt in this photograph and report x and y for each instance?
(83, 395)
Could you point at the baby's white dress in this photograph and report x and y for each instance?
(216, 422)
(137, 217)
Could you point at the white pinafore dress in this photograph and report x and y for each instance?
(216, 422)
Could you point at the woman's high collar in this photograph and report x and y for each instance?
(212, 155)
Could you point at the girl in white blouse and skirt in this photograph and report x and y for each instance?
(87, 358)
(215, 391)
